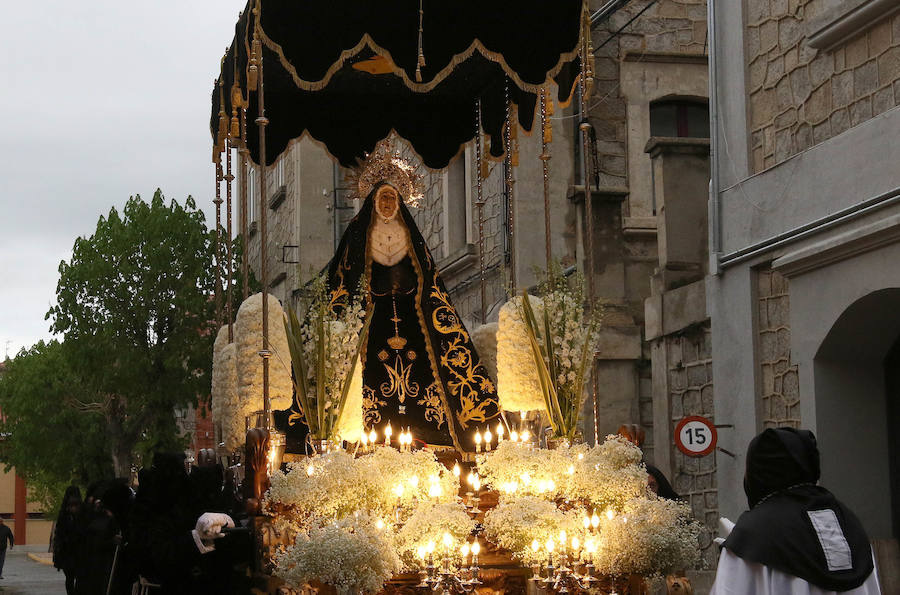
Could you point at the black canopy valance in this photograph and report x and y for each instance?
(348, 72)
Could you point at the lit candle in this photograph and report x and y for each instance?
(595, 520)
(514, 436)
(487, 439)
(448, 541)
(476, 483)
(586, 521)
(477, 441)
(464, 550)
(422, 552)
(525, 435)
(414, 480)
(387, 434)
(535, 546)
(571, 470)
(434, 491)
(379, 524)
(363, 440)
(610, 514)
(456, 470)
(372, 438)
(500, 431)
(476, 549)
(310, 470)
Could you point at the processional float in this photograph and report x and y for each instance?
(438, 75)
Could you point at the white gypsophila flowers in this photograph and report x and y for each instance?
(427, 524)
(351, 555)
(603, 477)
(650, 537)
(340, 485)
(248, 338)
(516, 523)
(518, 385)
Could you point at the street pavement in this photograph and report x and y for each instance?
(22, 575)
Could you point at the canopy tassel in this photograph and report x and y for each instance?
(421, 60)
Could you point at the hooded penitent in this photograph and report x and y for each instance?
(793, 525)
(420, 368)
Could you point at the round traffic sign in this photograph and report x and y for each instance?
(695, 436)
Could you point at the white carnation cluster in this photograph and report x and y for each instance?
(518, 385)
(225, 400)
(248, 339)
(484, 338)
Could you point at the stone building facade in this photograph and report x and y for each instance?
(804, 283)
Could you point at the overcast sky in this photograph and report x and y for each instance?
(100, 101)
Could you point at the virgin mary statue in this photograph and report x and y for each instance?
(420, 369)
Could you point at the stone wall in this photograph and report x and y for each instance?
(669, 26)
(799, 96)
(779, 390)
(689, 357)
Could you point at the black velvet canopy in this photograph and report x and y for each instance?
(347, 72)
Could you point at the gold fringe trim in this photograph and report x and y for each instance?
(367, 41)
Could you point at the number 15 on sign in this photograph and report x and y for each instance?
(695, 436)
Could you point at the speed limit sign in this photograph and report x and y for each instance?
(695, 436)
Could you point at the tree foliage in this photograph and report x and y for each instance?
(49, 443)
(135, 306)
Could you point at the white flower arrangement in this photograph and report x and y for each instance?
(248, 338)
(518, 384)
(351, 555)
(597, 495)
(562, 337)
(517, 523)
(426, 526)
(650, 537)
(225, 402)
(325, 355)
(409, 498)
(484, 338)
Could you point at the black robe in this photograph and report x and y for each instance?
(420, 369)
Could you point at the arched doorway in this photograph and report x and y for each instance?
(857, 410)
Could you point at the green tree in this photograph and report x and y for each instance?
(135, 306)
(49, 443)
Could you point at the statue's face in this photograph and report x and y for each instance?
(386, 200)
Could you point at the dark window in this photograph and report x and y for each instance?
(679, 118)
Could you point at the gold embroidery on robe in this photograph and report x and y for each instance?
(371, 403)
(434, 410)
(467, 376)
(399, 384)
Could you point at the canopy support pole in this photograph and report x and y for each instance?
(245, 224)
(261, 122)
(510, 194)
(479, 203)
(586, 83)
(545, 164)
(229, 260)
(218, 242)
